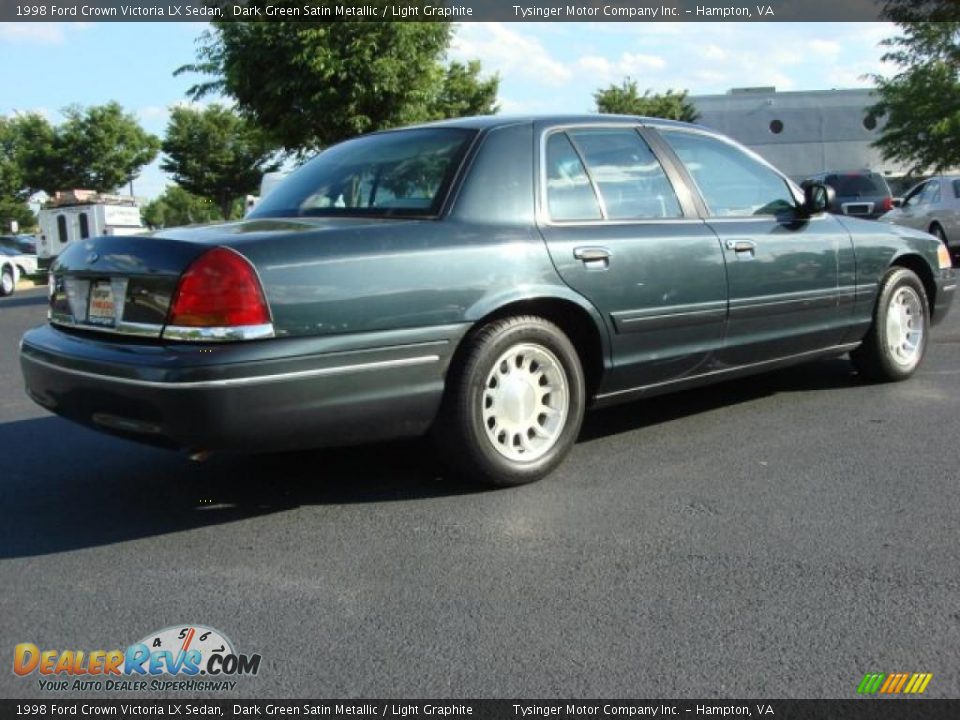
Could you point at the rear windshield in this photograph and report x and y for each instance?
(862, 184)
(403, 173)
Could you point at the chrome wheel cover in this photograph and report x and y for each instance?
(525, 402)
(905, 327)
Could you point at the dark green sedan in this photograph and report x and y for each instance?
(486, 279)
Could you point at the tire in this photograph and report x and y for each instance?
(897, 340)
(493, 427)
(8, 281)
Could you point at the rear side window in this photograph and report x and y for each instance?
(570, 194)
(858, 184)
(62, 228)
(628, 175)
(400, 173)
(84, 226)
(732, 183)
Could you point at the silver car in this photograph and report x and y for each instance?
(933, 206)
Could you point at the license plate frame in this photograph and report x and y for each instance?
(102, 304)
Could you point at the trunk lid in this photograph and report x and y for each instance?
(125, 285)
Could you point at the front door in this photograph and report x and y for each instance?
(784, 270)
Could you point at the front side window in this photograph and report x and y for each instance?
(914, 197)
(628, 175)
(732, 183)
(570, 194)
(403, 173)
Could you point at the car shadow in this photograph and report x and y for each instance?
(73, 488)
(830, 374)
(27, 300)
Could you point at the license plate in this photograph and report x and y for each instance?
(102, 309)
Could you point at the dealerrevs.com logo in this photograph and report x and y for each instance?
(200, 658)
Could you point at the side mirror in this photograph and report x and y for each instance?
(817, 197)
(898, 202)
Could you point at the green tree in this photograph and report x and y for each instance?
(13, 189)
(176, 207)
(216, 154)
(625, 99)
(464, 93)
(98, 148)
(312, 84)
(921, 102)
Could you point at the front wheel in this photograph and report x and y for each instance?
(515, 403)
(8, 283)
(897, 339)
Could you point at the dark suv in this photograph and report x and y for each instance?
(862, 193)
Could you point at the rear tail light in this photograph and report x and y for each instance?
(219, 298)
(887, 204)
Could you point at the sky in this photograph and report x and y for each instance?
(544, 67)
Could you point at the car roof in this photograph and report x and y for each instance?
(483, 122)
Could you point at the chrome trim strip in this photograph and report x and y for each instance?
(218, 334)
(641, 388)
(241, 381)
(676, 316)
(122, 328)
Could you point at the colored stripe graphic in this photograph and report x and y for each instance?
(870, 683)
(894, 683)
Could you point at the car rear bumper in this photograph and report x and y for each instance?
(276, 394)
(946, 289)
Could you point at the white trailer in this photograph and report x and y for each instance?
(79, 214)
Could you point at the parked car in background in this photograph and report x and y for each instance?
(860, 193)
(26, 264)
(934, 206)
(484, 278)
(9, 272)
(27, 244)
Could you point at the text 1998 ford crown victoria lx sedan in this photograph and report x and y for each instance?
(489, 278)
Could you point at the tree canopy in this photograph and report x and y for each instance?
(626, 99)
(308, 85)
(216, 154)
(921, 102)
(176, 207)
(98, 148)
(13, 190)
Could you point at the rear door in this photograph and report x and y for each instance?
(787, 274)
(622, 230)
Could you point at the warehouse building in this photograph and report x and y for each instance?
(802, 133)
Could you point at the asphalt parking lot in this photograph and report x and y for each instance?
(779, 536)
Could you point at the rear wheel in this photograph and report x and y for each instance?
(8, 283)
(897, 339)
(514, 404)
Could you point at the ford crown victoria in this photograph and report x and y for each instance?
(486, 279)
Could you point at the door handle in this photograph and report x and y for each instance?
(741, 246)
(588, 254)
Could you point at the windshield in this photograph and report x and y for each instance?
(862, 184)
(403, 173)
